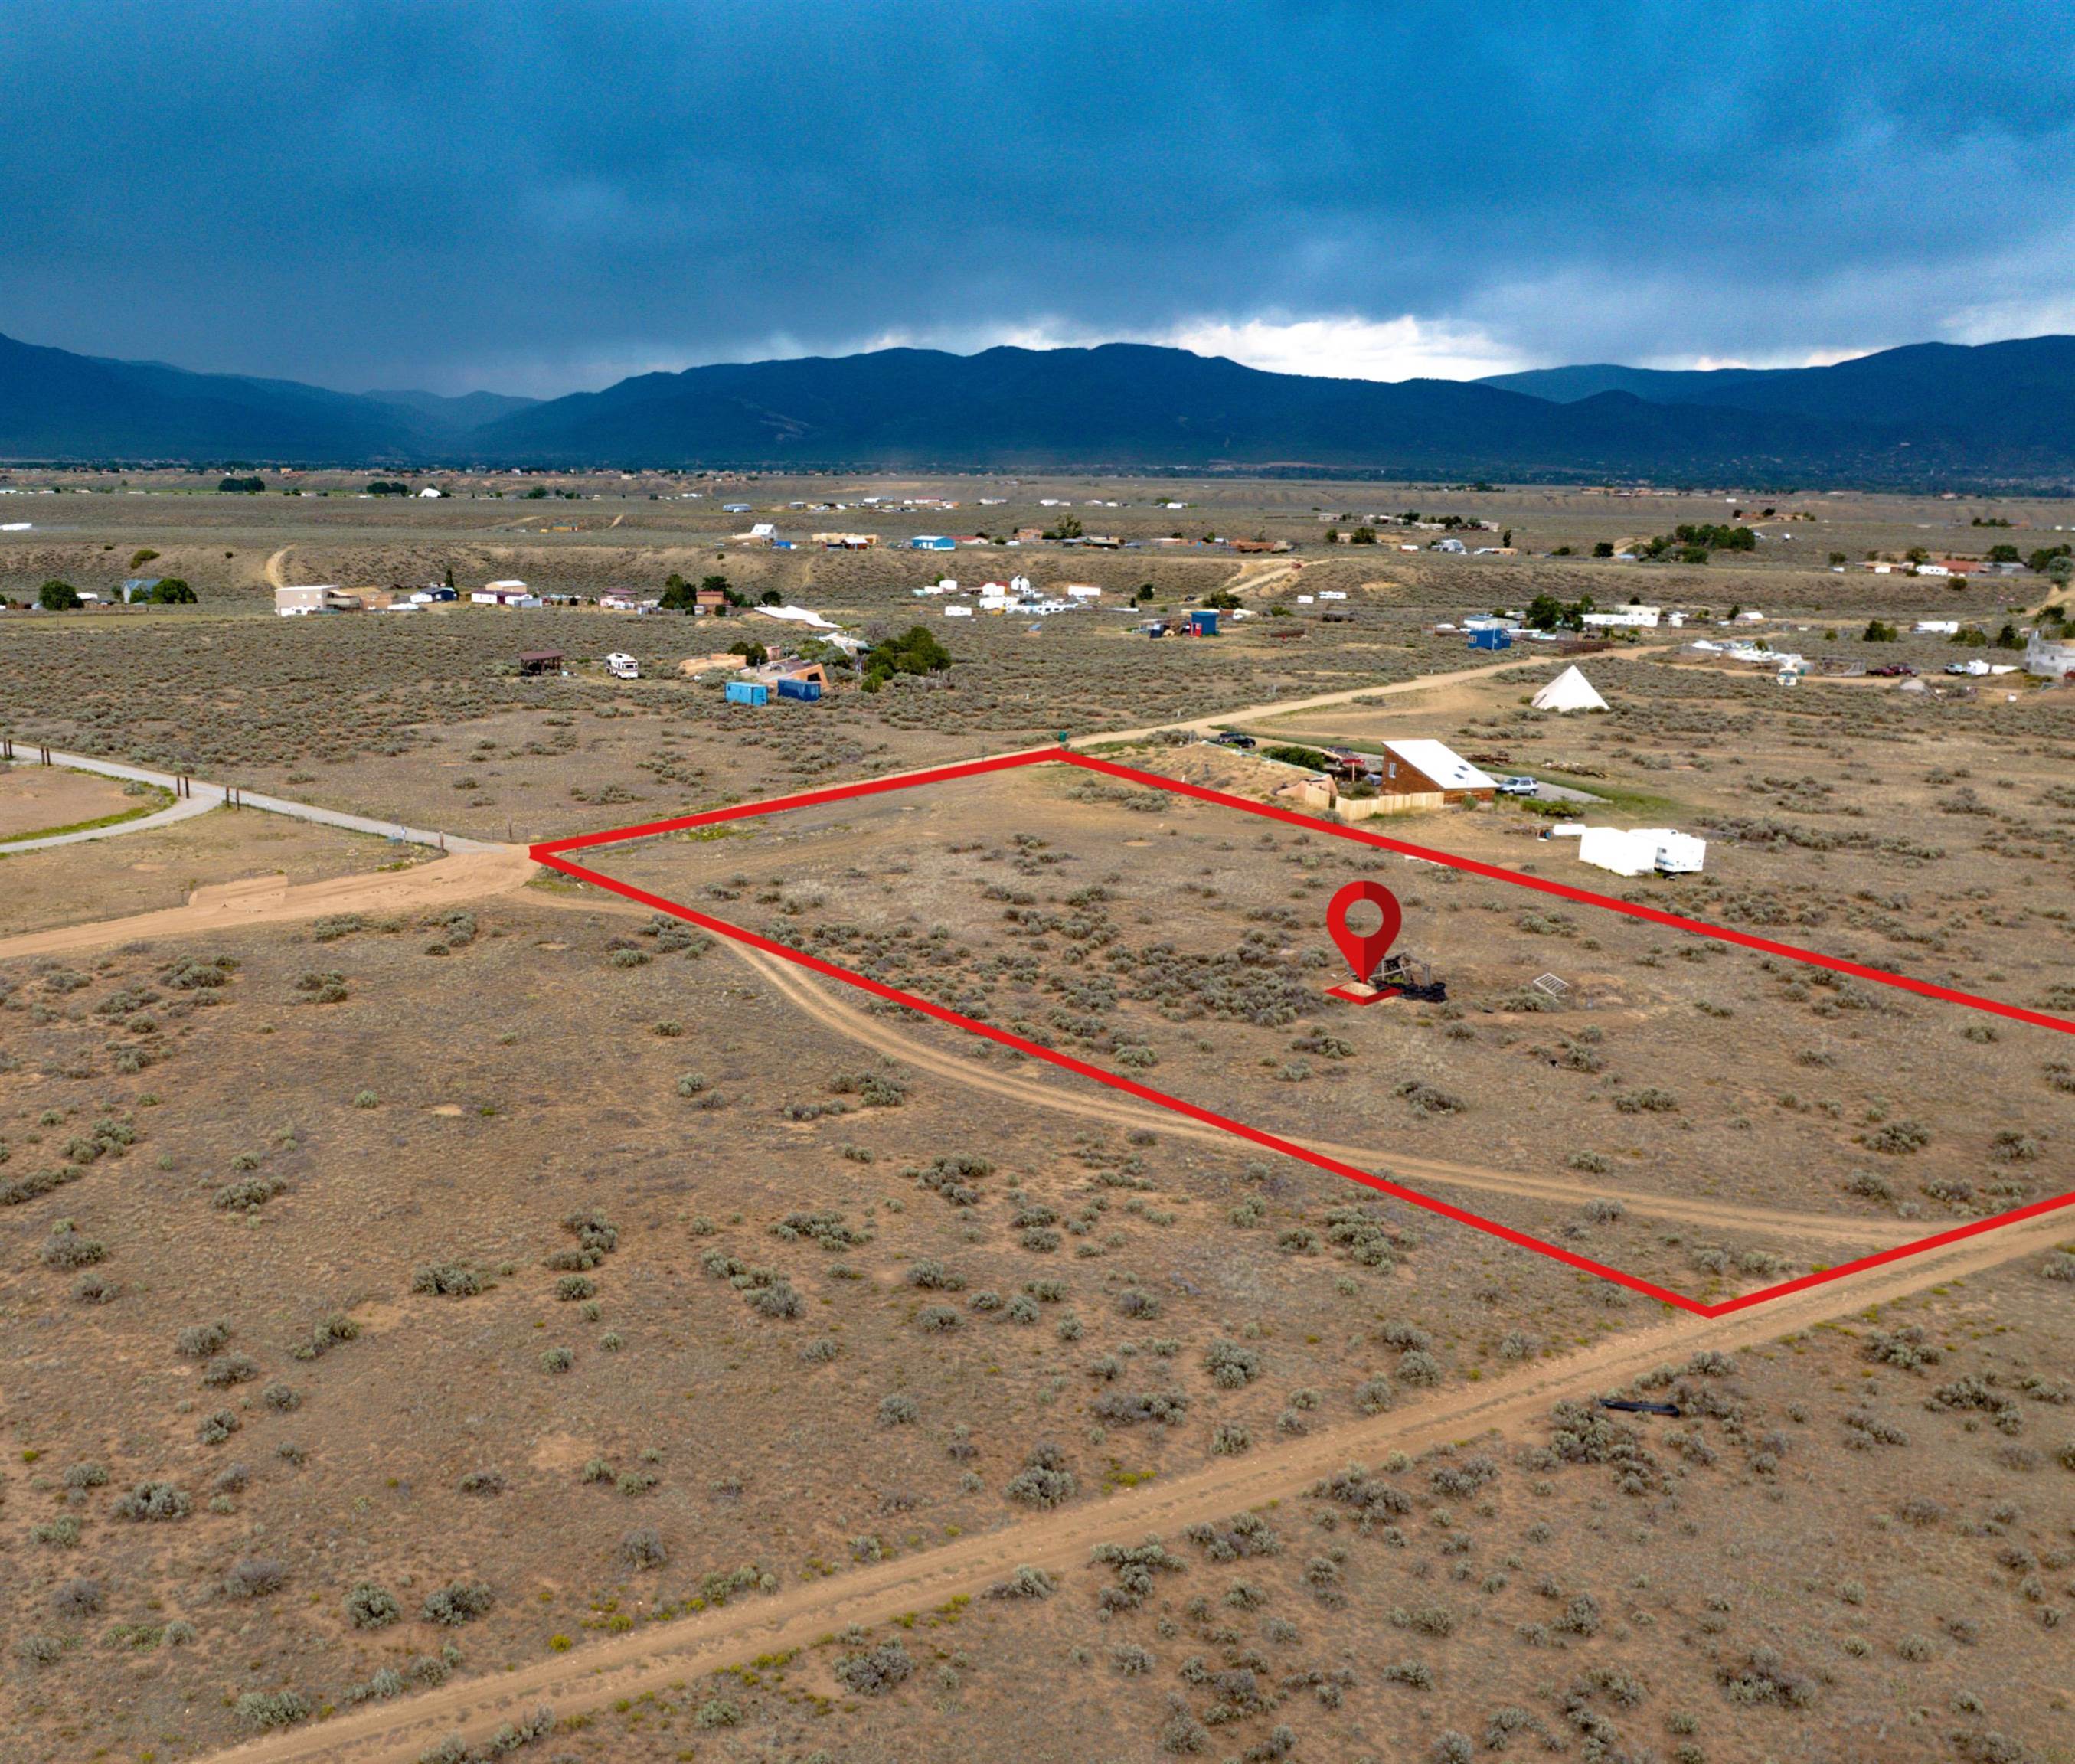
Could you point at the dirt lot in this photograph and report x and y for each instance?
(1827, 1560)
(1183, 943)
(424, 1299)
(161, 867)
(44, 799)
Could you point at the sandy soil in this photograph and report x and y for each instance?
(658, 1656)
(38, 799)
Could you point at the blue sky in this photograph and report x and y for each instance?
(539, 198)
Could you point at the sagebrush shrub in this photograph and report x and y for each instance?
(150, 1501)
(876, 1670)
(1044, 1480)
(254, 1577)
(643, 1548)
(459, 1602)
(371, 1607)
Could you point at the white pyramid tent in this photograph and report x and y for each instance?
(1570, 690)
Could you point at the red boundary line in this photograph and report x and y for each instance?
(550, 852)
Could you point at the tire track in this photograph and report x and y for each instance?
(859, 1026)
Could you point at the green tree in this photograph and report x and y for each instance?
(678, 595)
(241, 487)
(2003, 554)
(916, 653)
(56, 596)
(1878, 632)
(2008, 639)
(171, 591)
(1603, 548)
(141, 556)
(753, 653)
(1364, 535)
(771, 598)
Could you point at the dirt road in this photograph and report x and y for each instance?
(651, 1659)
(450, 881)
(277, 568)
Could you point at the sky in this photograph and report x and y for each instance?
(541, 198)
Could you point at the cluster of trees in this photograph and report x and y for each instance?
(56, 596)
(1545, 612)
(388, 486)
(681, 596)
(916, 653)
(1696, 541)
(241, 486)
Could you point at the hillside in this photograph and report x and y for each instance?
(1931, 413)
(1996, 395)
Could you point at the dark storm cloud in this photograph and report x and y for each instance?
(372, 194)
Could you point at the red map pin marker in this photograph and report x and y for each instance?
(1364, 953)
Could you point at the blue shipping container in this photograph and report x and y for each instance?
(1205, 622)
(747, 692)
(1491, 640)
(808, 689)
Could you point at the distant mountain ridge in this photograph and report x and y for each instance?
(1994, 414)
(2019, 390)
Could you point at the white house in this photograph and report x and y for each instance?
(2048, 661)
(323, 597)
(1936, 627)
(1632, 618)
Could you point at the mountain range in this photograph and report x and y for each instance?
(1987, 416)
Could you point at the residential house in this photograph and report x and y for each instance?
(295, 602)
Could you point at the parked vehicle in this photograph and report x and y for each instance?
(1231, 738)
(1517, 787)
(622, 666)
(1891, 670)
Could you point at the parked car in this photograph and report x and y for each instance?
(1891, 670)
(1231, 738)
(1518, 786)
